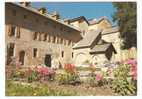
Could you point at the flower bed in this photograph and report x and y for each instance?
(37, 73)
(122, 79)
(69, 75)
(125, 78)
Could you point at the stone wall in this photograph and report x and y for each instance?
(82, 57)
(31, 22)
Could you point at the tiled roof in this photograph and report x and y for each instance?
(88, 39)
(101, 41)
(96, 21)
(78, 18)
(110, 30)
(47, 15)
(101, 48)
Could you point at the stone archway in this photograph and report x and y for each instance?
(95, 59)
(22, 57)
(99, 59)
(80, 59)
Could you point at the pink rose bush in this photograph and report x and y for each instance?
(40, 73)
(98, 77)
(133, 68)
(30, 73)
(125, 78)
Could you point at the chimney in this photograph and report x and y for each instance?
(55, 15)
(26, 4)
(66, 21)
(42, 10)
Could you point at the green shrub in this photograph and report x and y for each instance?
(68, 78)
(32, 76)
(123, 83)
(95, 80)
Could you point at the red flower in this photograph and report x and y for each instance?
(69, 68)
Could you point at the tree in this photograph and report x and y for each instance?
(125, 16)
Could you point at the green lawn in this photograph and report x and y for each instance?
(13, 89)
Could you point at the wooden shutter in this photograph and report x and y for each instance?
(18, 32)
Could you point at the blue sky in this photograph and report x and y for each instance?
(74, 9)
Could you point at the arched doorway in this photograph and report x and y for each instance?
(47, 60)
(22, 57)
(80, 59)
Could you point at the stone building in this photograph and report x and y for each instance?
(35, 36)
(100, 43)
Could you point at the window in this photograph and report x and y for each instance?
(58, 40)
(69, 42)
(62, 53)
(25, 16)
(10, 49)
(54, 39)
(61, 29)
(37, 20)
(35, 52)
(14, 12)
(35, 35)
(65, 41)
(13, 30)
(61, 40)
(49, 38)
(72, 54)
(54, 26)
(45, 37)
(39, 36)
(45, 23)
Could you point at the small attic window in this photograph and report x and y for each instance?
(61, 28)
(45, 23)
(14, 12)
(54, 26)
(37, 20)
(25, 16)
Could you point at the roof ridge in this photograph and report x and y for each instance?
(45, 15)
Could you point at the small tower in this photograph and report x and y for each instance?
(26, 4)
(55, 15)
(42, 10)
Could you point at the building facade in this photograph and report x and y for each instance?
(37, 37)
(34, 38)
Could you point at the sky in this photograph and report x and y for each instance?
(69, 10)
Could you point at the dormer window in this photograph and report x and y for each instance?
(61, 29)
(14, 12)
(37, 20)
(25, 16)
